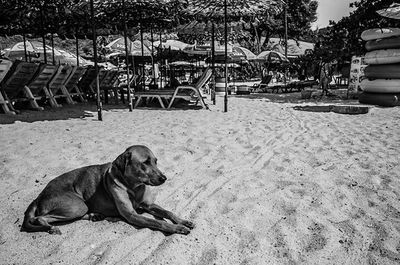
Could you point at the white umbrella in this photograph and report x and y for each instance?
(17, 52)
(134, 47)
(272, 57)
(246, 52)
(174, 45)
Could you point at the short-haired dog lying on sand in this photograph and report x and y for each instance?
(116, 189)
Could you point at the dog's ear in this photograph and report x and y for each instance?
(121, 162)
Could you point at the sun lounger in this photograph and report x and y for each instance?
(14, 86)
(295, 86)
(39, 85)
(109, 82)
(299, 85)
(87, 84)
(263, 85)
(5, 66)
(57, 84)
(181, 92)
(71, 84)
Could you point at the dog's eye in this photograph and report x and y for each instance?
(147, 162)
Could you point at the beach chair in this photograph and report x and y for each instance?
(5, 66)
(87, 84)
(71, 84)
(14, 86)
(39, 85)
(109, 82)
(123, 86)
(298, 86)
(57, 84)
(181, 92)
(263, 85)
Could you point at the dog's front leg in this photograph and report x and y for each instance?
(125, 208)
(158, 211)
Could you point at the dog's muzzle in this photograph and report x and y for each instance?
(162, 179)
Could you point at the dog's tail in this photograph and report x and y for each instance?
(28, 225)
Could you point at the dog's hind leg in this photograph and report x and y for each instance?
(68, 208)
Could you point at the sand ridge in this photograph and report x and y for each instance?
(264, 184)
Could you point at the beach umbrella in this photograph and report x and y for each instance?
(272, 57)
(20, 49)
(35, 51)
(391, 12)
(174, 45)
(134, 47)
(249, 55)
(218, 10)
(294, 48)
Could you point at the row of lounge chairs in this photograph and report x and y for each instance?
(264, 87)
(168, 97)
(40, 84)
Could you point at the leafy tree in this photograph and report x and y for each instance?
(300, 16)
(342, 40)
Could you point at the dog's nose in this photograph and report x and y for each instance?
(162, 178)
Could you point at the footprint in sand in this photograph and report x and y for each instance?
(99, 253)
(316, 240)
(208, 256)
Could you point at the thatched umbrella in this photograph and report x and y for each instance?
(238, 9)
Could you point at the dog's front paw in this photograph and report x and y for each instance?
(54, 231)
(96, 217)
(181, 229)
(187, 223)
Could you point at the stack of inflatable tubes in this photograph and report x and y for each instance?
(381, 85)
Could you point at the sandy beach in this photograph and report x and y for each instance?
(263, 183)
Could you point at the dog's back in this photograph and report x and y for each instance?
(83, 183)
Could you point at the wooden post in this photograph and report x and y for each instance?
(96, 67)
(128, 80)
(226, 57)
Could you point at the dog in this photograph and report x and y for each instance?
(116, 189)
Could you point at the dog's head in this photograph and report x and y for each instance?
(138, 165)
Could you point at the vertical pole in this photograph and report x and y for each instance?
(25, 52)
(77, 46)
(52, 49)
(142, 46)
(226, 57)
(43, 33)
(286, 41)
(161, 50)
(128, 80)
(213, 61)
(152, 54)
(96, 67)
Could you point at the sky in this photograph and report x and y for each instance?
(331, 10)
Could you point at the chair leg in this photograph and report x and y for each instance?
(161, 102)
(32, 100)
(4, 106)
(67, 95)
(137, 101)
(51, 98)
(115, 91)
(173, 98)
(80, 94)
(203, 104)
